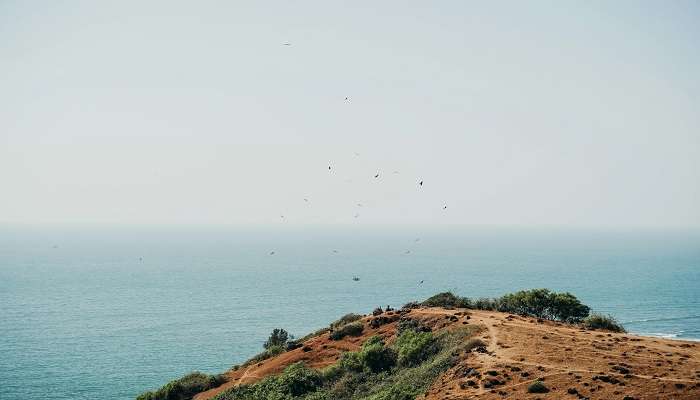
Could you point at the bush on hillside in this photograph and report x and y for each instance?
(485, 303)
(352, 329)
(346, 319)
(184, 388)
(605, 322)
(278, 337)
(447, 300)
(414, 347)
(411, 324)
(542, 303)
(375, 356)
(566, 307)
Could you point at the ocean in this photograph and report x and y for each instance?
(107, 313)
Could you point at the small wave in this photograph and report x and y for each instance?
(635, 321)
(672, 336)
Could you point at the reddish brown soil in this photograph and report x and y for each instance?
(572, 363)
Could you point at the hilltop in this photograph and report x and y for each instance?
(447, 352)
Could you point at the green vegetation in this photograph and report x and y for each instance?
(184, 388)
(278, 338)
(375, 372)
(537, 387)
(415, 347)
(605, 322)
(345, 319)
(352, 329)
(447, 300)
(540, 303)
(380, 372)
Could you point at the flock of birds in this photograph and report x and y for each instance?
(376, 176)
(330, 168)
(356, 215)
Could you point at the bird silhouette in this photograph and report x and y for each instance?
(306, 200)
(420, 183)
(377, 176)
(444, 208)
(272, 253)
(420, 283)
(286, 44)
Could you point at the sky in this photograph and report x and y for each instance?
(538, 113)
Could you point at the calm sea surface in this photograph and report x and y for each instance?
(109, 313)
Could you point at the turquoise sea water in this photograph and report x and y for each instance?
(109, 313)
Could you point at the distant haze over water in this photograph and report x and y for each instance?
(108, 313)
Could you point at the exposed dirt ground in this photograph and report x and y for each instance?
(570, 361)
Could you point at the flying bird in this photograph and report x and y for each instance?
(420, 283)
(407, 252)
(286, 44)
(335, 251)
(272, 253)
(306, 200)
(329, 167)
(420, 183)
(444, 208)
(359, 204)
(377, 176)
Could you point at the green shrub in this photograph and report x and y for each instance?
(346, 319)
(297, 380)
(184, 388)
(542, 303)
(566, 307)
(484, 303)
(375, 356)
(352, 329)
(605, 322)
(414, 347)
(278, 337)
(447, 300)
(407, 324)
(351, 361)
(537, 387)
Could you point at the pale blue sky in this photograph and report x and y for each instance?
(513, 113)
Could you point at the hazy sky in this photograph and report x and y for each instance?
(513, 113)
